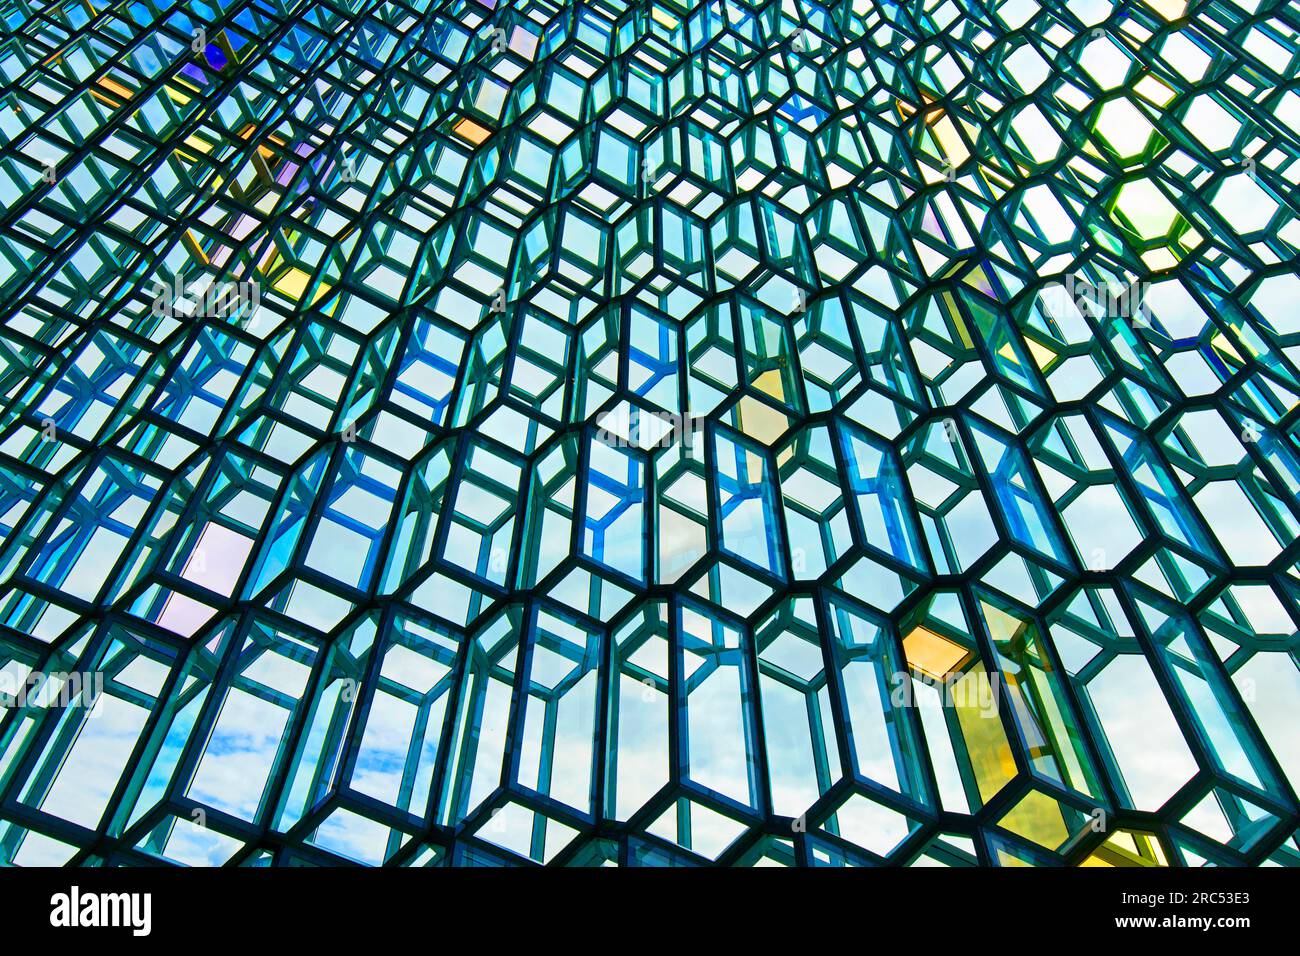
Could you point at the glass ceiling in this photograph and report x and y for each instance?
(649, 433)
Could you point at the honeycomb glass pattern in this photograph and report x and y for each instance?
(656, 433)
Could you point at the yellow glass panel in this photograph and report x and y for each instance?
(760, 421)
(471, 132)
(1038, 818)
(932, 654)
(293, 283)
(1128, 848)
(986, 742)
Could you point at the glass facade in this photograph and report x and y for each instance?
(649, 433)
